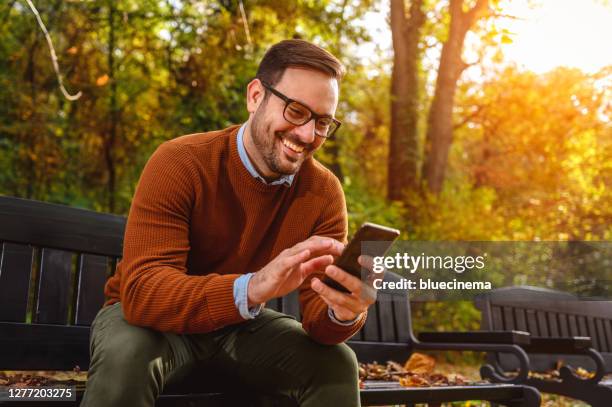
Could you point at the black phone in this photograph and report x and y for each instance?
(368, 232)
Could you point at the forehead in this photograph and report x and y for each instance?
(315, 89)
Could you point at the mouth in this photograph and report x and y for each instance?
(292, 151)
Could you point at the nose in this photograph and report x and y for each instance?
(306, 132)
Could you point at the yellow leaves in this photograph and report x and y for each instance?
(102, 80)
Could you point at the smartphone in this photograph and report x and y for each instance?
(368, 232)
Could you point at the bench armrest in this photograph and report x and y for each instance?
(570, 345)
(486, 371)
(476, 337)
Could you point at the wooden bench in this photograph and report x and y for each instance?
(56, 259)
(563, 328)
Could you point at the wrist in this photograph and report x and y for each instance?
(252, 299)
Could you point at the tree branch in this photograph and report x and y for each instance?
(53, 55)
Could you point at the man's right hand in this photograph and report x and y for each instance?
(291, 267)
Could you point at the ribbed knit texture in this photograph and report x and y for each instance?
(199, 220)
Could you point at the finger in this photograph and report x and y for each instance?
(364, 290)
(335, 298)
(366, 261)
(352, 283)
(288, 262)
(320, 245)
(316, 264)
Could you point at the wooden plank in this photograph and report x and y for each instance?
(401, 310)
(608, 331)
(521, 319)
(553, 326)
(508, 317)
(90, 288)
(582, 326)
(387, 326)
(573, 325)
(564, 330)
(15, 275)
(601, 335)
(62, 227)
(54, 287)
(542, 324)
(43, 347)
(290, 304)
(370, 328)
(592, 330)
(532, 323)
(497, 318)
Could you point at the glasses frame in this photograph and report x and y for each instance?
(313, 115)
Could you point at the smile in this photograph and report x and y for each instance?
(293, 147)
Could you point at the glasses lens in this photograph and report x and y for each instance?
(296, 113)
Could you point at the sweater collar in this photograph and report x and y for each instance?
(286, 180)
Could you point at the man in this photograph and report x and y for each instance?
(221, 223)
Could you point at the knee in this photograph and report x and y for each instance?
(126, 369)
(132, 352)
(337, 361)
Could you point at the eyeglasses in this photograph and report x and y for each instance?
(298, 115)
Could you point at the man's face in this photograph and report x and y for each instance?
(281, 146)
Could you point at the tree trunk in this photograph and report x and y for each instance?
(402, 172)
(439, 122)
(109, 144)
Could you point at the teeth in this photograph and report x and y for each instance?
(294, 147)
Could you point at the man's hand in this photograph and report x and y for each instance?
(347, 307)
(290, 268)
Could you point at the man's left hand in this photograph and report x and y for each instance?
(346, 306)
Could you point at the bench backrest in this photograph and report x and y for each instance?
(54, 262)
(548, 313)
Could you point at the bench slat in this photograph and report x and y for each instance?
(608, 330)
(62, 227)
(552, 324)
(90, 294)
(44, 347)
(532, 323)
(542, 323)
(387, 325)
(15, 273)
(521, 320)
(401, 309)
(370, 328)
(54, 287)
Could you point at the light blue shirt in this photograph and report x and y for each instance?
(241, 283)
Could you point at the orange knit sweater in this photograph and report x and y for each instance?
(199, 220)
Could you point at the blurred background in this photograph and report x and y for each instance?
(463, 119)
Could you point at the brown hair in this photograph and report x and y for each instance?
(297, 53)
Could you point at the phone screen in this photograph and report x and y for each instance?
(368, 232)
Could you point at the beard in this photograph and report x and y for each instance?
(268, 143)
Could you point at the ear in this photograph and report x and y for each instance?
(255, 95)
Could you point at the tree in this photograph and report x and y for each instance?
(403, 143)
(439, 121)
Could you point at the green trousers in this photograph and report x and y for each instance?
(269, 355)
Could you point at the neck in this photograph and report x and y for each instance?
(256, 157)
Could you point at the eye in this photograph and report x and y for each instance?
(324, 122)
(296, 111)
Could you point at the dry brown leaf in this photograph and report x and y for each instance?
(420, 363)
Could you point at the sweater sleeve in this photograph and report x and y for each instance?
(332, 223)
(156, 290)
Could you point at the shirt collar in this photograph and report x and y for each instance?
(286, 180)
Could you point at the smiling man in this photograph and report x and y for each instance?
(221, 223)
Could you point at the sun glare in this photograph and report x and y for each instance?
(575, 33)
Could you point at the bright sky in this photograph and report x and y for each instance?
(575, 33)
